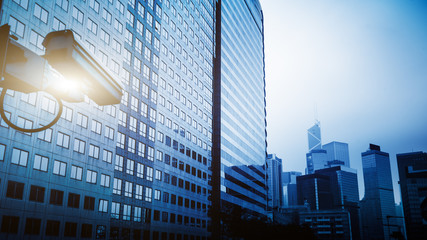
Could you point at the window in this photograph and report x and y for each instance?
(15, 190)
(52, 228)
(24, 123)
(73, 200)
(107, 156)
(67, 113)
(89, 203)
(2, 151)
(149, 173)
(40, 13)
(138, 192)
(91, 176)
(76, 173)
(130, 166)
(142, 129)
(70, 229)
(109, 132)
(63, 140)
(94, 5)
(115, 210)
(93, 151)
(151, 134)
(126, 212)
(96, 126)
(10, 224)
(157, 195)
(150, 155)
(117, 186)
(59, 168)
(148, 194)
(118, 163)
(103, 205)
(159, 175)
(137, 214)
(37, 193)
(19, 157)
(40, 163)
(63, 4)
(132, 124)
(92, 26)
(79, 146)
(32, 226)
(120, 140)
(82, 120)
(86, 230)
(153, 115)
(159, 156)
(56, 197)
(78, 15)
(105, 37)
(118, 26)
(105, 180)
(128, 189)
(16, 27)
(140, 170)
(106, 15)
(134, 103)
(144, 109)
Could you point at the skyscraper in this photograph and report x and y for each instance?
(314, 137)
(274, 182)
(413, 187)
(345, 194)
(378, 202)
(141, 168)
(239, 115)
(316, 159)
(337, 154)
(290, 188)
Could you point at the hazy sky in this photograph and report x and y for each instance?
(359, 66)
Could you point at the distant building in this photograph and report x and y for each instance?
(289, 180)
(315, 190)
(345, 193)
(328, 224)
(314, 137)
(413, 187)
(337, 154)
(378, 202)
(316, 159)
(274, 182)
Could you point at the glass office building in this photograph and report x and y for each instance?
(239, 149)
(133, 170)
(378, 202)
(413, 187)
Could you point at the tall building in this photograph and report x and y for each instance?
(337, 154)
(378, 202)
(316, 159)
(314, 137)
(274, 182)
(239, 115)
(138, 169)
(345, 193)
(289, 180)
(413, 187)
(315, 190)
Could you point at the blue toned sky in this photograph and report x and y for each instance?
(358, 66)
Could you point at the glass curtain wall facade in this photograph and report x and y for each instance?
(413, 186)
(239, 151)
(378, 202)
(138, 169)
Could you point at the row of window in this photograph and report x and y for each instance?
(34, 226)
